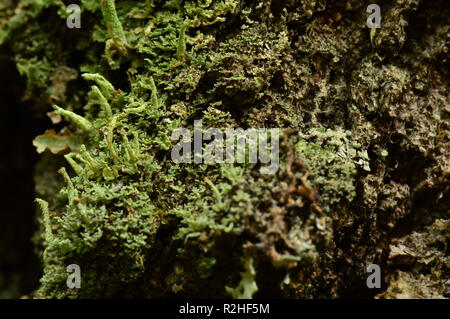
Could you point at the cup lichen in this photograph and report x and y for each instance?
(364, 123)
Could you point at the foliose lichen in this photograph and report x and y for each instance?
(364, 149)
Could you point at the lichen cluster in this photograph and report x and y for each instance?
(364, 149)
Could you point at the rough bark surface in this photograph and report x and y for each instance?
(364, 150)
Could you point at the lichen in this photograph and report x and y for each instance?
(364, 147)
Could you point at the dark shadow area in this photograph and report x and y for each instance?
(19, 266)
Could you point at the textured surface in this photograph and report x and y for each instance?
(364, 155)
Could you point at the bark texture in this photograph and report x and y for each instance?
(364, 150)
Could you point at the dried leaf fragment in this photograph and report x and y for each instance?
(56, 143)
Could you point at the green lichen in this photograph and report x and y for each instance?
(333, 159)
(114, 26)
(78, 120)
(247, 286)
(48, 228)
(358, 117)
